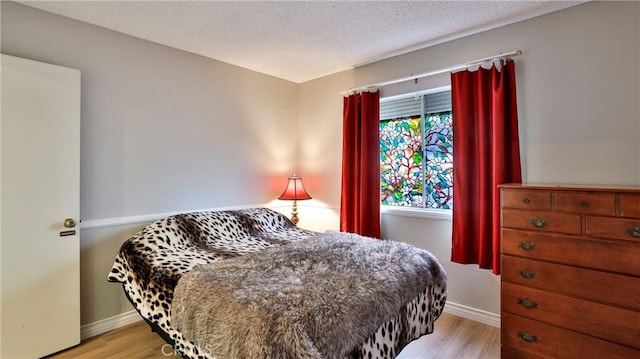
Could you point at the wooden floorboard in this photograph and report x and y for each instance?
(453, 338)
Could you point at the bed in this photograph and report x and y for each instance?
(248, 283)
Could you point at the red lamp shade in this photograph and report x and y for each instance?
(295, 190)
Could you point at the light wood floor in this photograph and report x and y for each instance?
(453, 338)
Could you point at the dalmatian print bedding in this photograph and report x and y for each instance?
(150, 264)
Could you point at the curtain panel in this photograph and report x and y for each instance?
(360, 194)
(486, 153)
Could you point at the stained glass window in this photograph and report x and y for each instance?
(439, 161)
(402, 176)
(416, 151)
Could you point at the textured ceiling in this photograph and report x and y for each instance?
(300, 40)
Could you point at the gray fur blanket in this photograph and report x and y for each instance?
(317, 298)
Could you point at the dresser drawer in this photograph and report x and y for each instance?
(583, 283)
(538, 200)
(589, 203)
(510, 353)
(546, 341)
(609, 227)
(612, 256)
(586, 317)
(542, 221)
(630, 206)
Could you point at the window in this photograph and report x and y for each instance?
(416, 150)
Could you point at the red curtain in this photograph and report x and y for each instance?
(486, 153)
(360, 196)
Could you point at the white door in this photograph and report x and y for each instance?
(39, 189)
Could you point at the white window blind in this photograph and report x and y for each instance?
(437, 102)
(411, 106)
(402, 107)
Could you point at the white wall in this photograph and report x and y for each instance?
(579, 111)
(163, 130)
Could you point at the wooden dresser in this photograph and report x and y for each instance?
(570, 272)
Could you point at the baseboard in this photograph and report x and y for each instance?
(474, 314)
(109, 324)
(130, 317)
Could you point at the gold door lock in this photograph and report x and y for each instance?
(69, 223)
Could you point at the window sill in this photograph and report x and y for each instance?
(436, 214)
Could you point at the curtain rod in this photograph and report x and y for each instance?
(435, 72)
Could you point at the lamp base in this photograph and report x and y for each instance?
(294, 213)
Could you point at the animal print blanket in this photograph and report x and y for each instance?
(317, 298)
(150, 264)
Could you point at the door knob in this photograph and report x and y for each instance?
(69, 223)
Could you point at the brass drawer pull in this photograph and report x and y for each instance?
(527, 246)
(633, 231)
(527, 337)
(528, 274)
(527, 303)
(539, 222)
(525, 200)
(584, 204)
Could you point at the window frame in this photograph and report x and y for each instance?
(417, 212)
